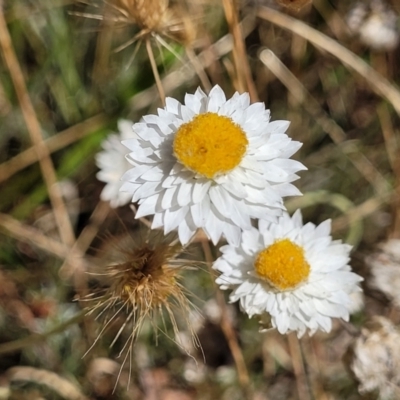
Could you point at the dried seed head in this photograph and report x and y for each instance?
(375, 23)
(375, 358)
(143, 284)
(295, 5)
(147, 14)
(153, 17)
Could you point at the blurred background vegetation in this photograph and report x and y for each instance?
(313, 64)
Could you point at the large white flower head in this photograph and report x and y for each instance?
(113, 165)
(211, 163)
(294, 273)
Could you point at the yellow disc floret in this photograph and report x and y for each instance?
(283, 265)
(210, 144)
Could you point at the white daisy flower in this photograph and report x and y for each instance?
(296, 274)
(211, 163)
(113, 165)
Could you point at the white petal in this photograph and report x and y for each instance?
(215, 99)
(184, 193)
(167, 197)
(200, 190)
(147, 206)
(184, 232)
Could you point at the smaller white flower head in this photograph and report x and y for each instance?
(293, 272)
(113, 165)
(211, 163)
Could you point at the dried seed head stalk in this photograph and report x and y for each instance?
(144, 284)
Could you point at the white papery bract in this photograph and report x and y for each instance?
(293, 300)
(244, 174)
(113, 165)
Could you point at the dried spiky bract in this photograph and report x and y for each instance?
(147, 14)
(376, 359)
(385, 270)
(153, 17)
(144, 283)
(295, 5)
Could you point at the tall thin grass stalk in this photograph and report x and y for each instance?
(154, 68)
(363, 165)
(53, 144)
(376, 81)
(11, 347)
(245, 81)
(228, 330)
(32, 123)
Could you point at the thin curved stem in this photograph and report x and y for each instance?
(155, 71)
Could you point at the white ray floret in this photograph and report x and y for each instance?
(293, 274)
(113, 165)
(211, 163)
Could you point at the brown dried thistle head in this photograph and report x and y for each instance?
(153, 17)
(144, 283)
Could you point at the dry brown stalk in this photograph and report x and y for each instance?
(85, 239)
(361, 211)
(24, 232)
(10, 347)
(55, 143)
(392, 150)
(376, 81)
(34, 129)
(61, 386)
(329, 125)
(228, 329)
(298, 367)
(155, 71)
(244, 79)
(181, 75)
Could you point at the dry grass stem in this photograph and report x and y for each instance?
(298, 367)
(28, 234)
(195, 62)
(392, 150)
(389, 135)
(228, 329)
(56, 384)
(376, 81)
(34, 129)
(73, 262)
(156, 74)
(36, 338)
(361, 211)
(181, 75)
(53, 144)
(242, 68)
(329, 125)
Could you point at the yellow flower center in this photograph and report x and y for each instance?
(283, 265)
(210, 144)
